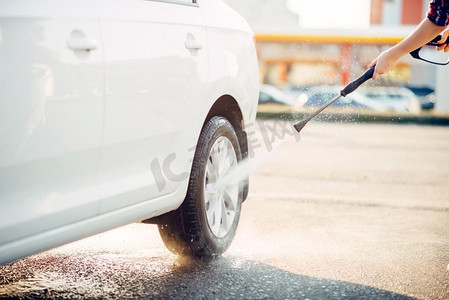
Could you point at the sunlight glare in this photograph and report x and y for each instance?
(342, 14)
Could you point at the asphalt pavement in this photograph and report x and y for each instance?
(345, 211)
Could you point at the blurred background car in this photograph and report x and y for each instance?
(299, 92)
(320, 95)
(272, 94)
(370, 98)
(426, 96)
(398, 99)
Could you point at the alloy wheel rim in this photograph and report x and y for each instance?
(221, 192)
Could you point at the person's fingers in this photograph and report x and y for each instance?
(376, 73)
(444, 47)
(444, 37)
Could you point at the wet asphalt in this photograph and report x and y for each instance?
(348, 212)
(81, 276)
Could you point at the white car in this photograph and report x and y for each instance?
(382, 99)
(398, 99)
(118, 111)
(271, 94)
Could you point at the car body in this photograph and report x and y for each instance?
(299, 92)
(319, 95)
(372, 98)
(103, 106)
(398, 99)
(425, 94)
(271, 94)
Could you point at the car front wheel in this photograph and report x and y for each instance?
(205, 224)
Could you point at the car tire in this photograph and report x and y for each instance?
(206, 222)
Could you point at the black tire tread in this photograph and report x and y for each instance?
(183, 230)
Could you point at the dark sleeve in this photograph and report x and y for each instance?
(439, 12)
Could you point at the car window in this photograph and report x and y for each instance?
(185, 2)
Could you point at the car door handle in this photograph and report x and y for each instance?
(193, 44)
(83, 43)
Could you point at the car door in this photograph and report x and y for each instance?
(51, 116)
(155, 69)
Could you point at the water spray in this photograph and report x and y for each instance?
(351, 87)
(345, 91)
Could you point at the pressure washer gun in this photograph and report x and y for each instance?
(352, 86)
(435, 42)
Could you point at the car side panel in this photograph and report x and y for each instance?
(233, 68)
(51, 116)
(154, 87)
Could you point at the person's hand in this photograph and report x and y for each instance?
(385, 62)
(444, 36)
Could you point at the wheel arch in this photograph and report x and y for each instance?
(227, 107)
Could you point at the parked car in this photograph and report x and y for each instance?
(397, 99)
(320, 95)
(373, 98)
(271, 94)
(299, 92)
(426, 96)
(119, 111)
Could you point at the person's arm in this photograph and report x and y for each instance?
(425, 32)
